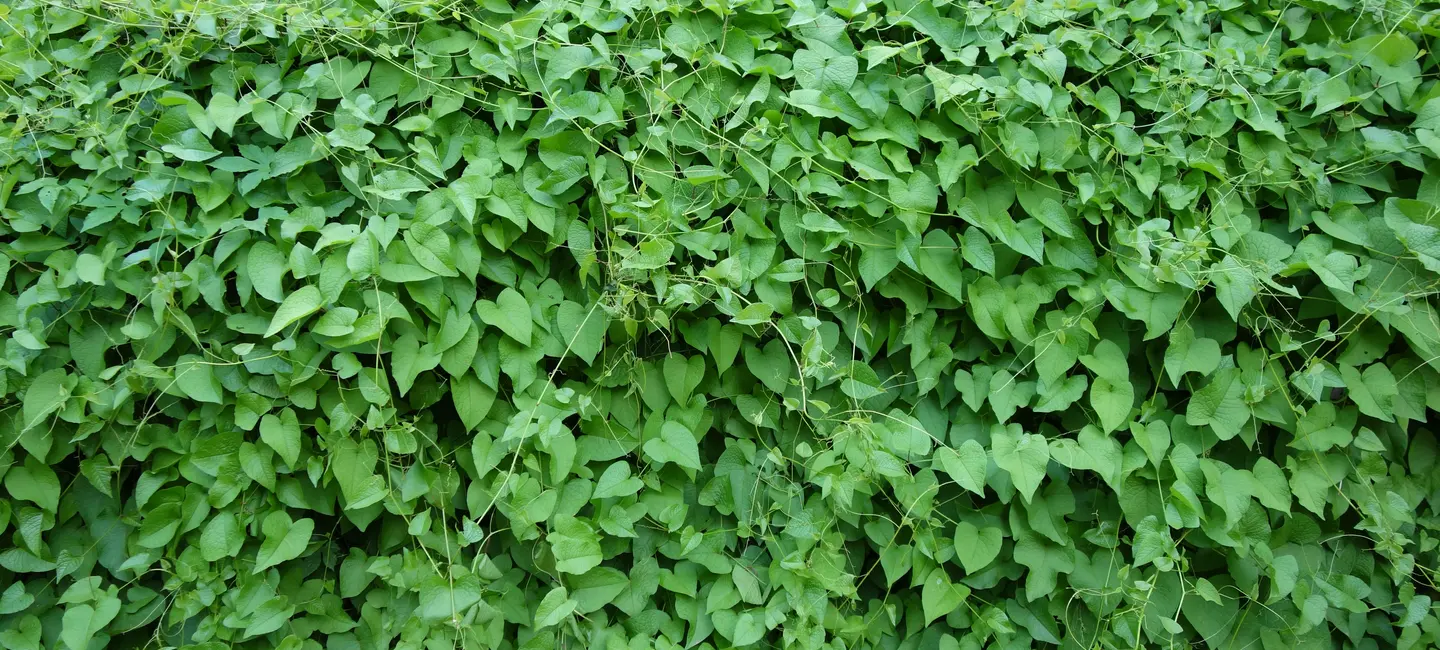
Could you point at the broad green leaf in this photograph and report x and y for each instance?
(1091, 450)
(353, 465)
(976, 547)
(299, 304)
(1112, 401)
(553, 608)
(195, 377)
(34, 482)
(940, 263)
(1023, 455)
(771, 365)
(447, 600)
(616, 481)
(675, 444)
(1219, 405)
(1271, 487)
(582, 329)
(816, 71)
(510, 312)
(917, 192)
(575, 545)
(395, 184)
(266, 267)
(283, 435)
(939, 596)
(966, 464)
(1054, 217)
(1187, 353)
(45, 395)
(285, 540)
(472, 399)
(1373, 390)
(221, 538)
(1152, 541)
(597, 588)
(749, 628)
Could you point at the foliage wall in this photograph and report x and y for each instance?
(644, 324)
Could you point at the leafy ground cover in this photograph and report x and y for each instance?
(639, 325)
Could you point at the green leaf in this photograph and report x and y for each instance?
(266, 266)
(1053, 216)
(1374, 390)
(395, 184)
(15, 599)
(582, 329)
(1235, 285)
(976, 547)
(818, 72)
(939, 596)
(191, 145)
(674, 445)
(34, 482)
(1019, 144)
(616, 481)
(353, 465)
(195, 377)
(597, 588)
(510, 312)
(1229, 488)
(940, 263)
(1152, 541)
(575, 545)
(966, 464)
(682, 375)
(444, 600)
(285, 540)
(1023, 455)
(749, 629)
(1112, 401)
(955, 160)
(1091, 450)
(299, 304)
(47, 393)
(226, 112)
(221, 538)
(1107, 361)
(917, 192)
(1187, 353)
(472, 399)
(283, 435)
(81, 622)
(553, 608)
(1219, 405)
(1271, 487)
(771, 364)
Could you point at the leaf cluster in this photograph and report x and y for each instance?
(727, 323)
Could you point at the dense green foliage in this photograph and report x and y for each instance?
(636, 324)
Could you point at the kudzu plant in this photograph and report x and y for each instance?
(657, 324)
